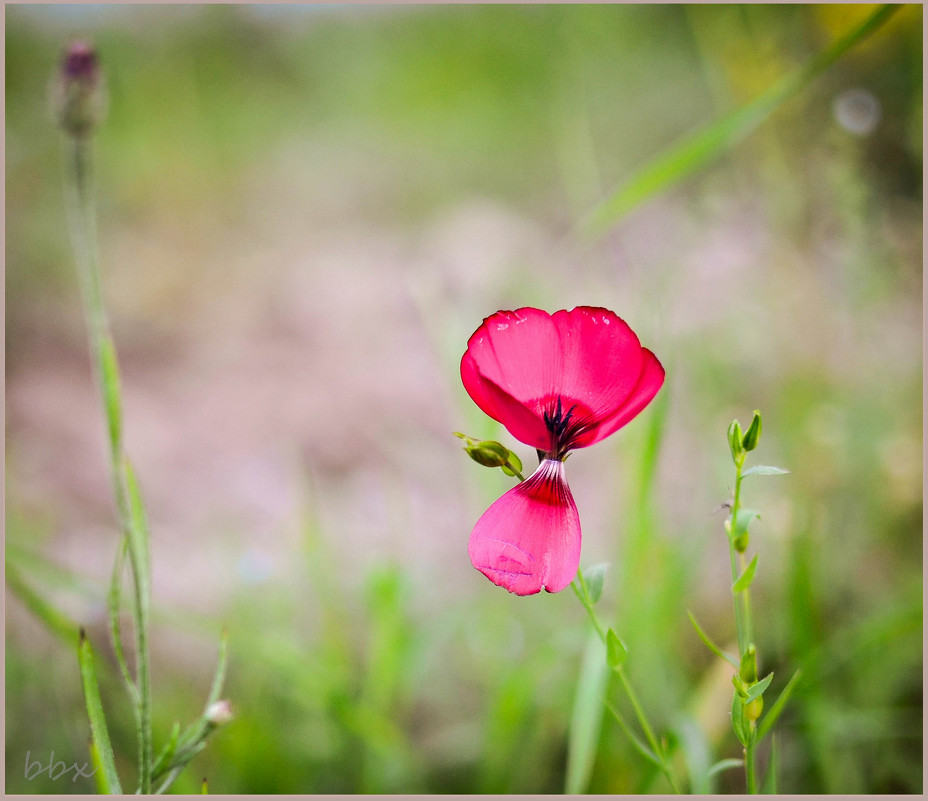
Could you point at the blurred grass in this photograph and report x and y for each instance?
(349, 683)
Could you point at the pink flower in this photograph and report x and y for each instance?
(557, 382)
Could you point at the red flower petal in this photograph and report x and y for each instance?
(649, 382)
(518, 363)
(529, 539)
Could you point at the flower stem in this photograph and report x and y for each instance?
(78, 187)
(742, 604)
(580, 589)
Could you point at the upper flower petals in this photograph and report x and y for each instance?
(529, 539)
(553, 380)
(650, 381)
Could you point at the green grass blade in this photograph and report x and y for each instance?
(98, 730)
(769, 785)
(696, 150)
(166, 754)
(771, 717)
(56, 621)
(711, 645)
(587, 717)
(113, 599)
(642, 749)
(725, 764)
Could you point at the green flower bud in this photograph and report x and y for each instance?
(748, 669)
(741, 542)
(753, 709)
(734, 441)
(749, 441)
(77, 92)
(488, 453)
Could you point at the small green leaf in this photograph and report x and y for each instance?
(745, 579)
(764, 470)
(757, 690)
(167, 753)
(738, 723)
(744, 517)
(725, 764)
(771, 717)
(711, 645)
(113, 600)
(616, 650)
(98, 731)
(594, 578)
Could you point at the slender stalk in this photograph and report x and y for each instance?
(78, 185)
(742, 604)
(580, 589)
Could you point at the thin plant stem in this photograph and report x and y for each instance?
(580, 589)
(78, 186)
(742, 604)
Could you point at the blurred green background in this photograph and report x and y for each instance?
(304, 213)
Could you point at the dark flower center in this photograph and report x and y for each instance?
(563, 426)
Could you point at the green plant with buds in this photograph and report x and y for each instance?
(747, 707)
(79, 104)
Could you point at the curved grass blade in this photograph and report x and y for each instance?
(113, 599)
(56, 621)
(642, 749)
(699, 148)
(98, 730)
(711, 645)
(587, 717)
(725, 764)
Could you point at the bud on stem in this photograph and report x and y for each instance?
(77, 91)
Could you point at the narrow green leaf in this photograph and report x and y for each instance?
(745, 516)
(99, 776)
(764, 470)
(711, 645)
(745, 579)
(642, 749)
(771, 717)
(738, 723)
(725, 764)
(586, 718)
(757, 690)
(98, 730)
(594, 577)
(616, 650)
(138, 538)
(163, 761)
(111, 395)
(696, 150)
(113, 599)
(56, 621)
(769, 784)
(200, 727)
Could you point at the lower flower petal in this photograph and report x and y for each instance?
(529, 539)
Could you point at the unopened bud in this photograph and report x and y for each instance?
(78, 96)
(219, 712)
(753, 709)
(734, 441)
(748, 669)
(488, 453)
(741, 542)
(749, 441)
